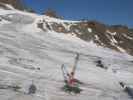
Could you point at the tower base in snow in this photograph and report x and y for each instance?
(71, 89)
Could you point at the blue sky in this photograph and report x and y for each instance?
(106, 11)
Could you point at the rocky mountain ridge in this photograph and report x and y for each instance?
(116, 37)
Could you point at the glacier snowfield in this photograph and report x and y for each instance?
(28, 54)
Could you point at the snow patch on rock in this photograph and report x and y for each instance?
(89, 30)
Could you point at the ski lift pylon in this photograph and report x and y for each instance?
(75, 63)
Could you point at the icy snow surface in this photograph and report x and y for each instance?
(24, 48)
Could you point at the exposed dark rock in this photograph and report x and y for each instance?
(15, 3)
(32, 89)
(52, 13)
(127, 89)
(59, 28)
(100, 64)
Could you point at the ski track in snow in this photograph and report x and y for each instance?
(22, 52)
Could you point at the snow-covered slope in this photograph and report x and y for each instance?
(28, 53)
(116, 37)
